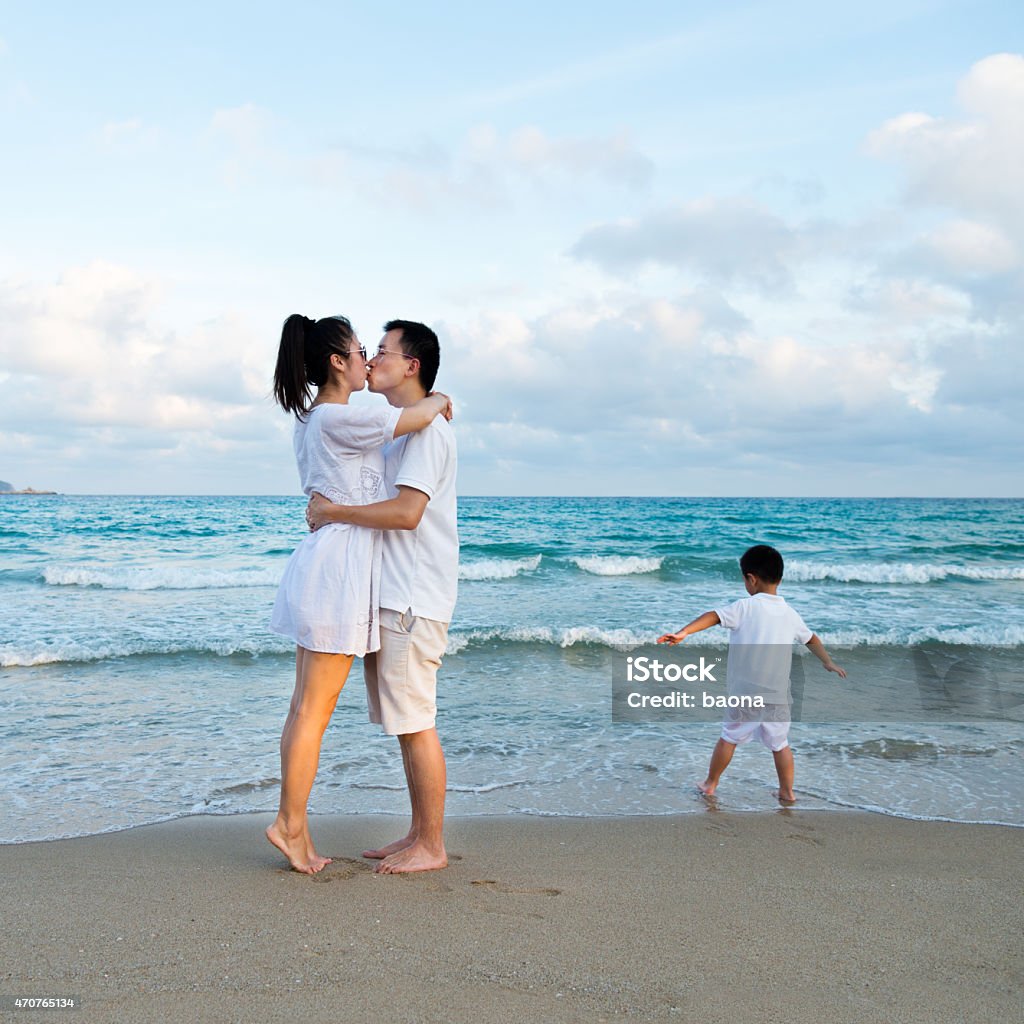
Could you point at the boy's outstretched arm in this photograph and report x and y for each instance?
(705, 621)
(817, 648)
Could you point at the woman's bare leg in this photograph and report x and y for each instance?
(319, 679)
(315, 859)
(312, 856)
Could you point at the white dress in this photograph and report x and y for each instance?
(328, 599)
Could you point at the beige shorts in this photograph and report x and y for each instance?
(401, 678)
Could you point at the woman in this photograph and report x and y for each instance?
(327, 601)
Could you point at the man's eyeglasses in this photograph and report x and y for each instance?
(391, 352)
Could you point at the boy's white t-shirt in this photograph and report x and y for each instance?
(763, 619)
(762, 630)
(421, 566)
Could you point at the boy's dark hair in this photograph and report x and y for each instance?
(762, 561)
(419, 341)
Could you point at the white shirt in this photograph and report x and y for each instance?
(421, 566)
(762, 629)
(763, 619)
(338, 450)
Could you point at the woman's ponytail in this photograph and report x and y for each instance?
(303, 358)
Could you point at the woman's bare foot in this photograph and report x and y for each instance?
(318, 862)
(786, 797)
(413, 858)
(707, 788)
(385, 851)
(293, 847)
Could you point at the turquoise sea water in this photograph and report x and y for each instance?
(139, 680)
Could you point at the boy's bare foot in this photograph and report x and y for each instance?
(294, 848)
(786, 797)
(413, 858)
(707, 788)
(385, 851)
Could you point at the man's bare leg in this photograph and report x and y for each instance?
(720, 758)
(785, 770)
(319, 680)
(428, 783)
(410, 837)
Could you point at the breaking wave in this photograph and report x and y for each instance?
(618, 565)
(898, 572)
(497, 568)
(161, 578)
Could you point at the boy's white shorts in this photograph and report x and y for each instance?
(774, 735)
(401, 678)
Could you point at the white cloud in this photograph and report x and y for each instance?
(246, 137)
(969, 247)
(617, 372)
(919, 385)
(131, 133)
(724, 240)
(660, 381)
(118, 131)
(912, 302)
(87, 350)
(971, 164)
(247, 126)
(485, 169)
(535, 154)
(966, 170)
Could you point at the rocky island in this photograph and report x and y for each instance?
(6, 488)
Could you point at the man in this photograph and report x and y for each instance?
(419, 578)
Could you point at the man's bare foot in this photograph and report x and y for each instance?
(707, 788)
(786, 797)
(293, 847)
(413, 858)
(385, 851)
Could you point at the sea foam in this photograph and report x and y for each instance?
(618, 565)
(617, 639)
(160, 578)
(497, 568)
(69, 651)
(897, 572)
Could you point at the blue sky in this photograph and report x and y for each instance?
(669, 249)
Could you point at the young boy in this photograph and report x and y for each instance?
(763, 619)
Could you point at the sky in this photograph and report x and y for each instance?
(669, 248)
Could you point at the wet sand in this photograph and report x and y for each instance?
(795, 916)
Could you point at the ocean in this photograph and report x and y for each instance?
(139, 681)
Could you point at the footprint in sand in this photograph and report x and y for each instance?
(805, 839)
(722, 828)
(340, 869)
(491, 885)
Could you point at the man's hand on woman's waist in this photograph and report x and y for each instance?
(320, 511)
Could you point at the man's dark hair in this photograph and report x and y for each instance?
(762, 561)
(419, 341)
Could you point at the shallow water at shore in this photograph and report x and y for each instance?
(139, 682)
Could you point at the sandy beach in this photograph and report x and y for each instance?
(713, 917)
